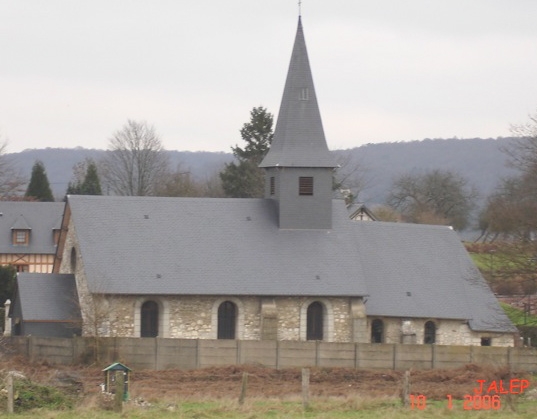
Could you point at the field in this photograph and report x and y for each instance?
(334, 393)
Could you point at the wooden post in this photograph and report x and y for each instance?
(405, 393)
(243, 388)
(306, 388)
(120, 388)
(9, 393)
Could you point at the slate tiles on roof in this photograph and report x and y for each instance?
(39, 217)
(209, 246)
(424, 271)
(48, 297)
(299, 139)
(21, 224)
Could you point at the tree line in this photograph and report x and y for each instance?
(136, 165)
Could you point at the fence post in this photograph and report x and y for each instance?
(306, 388)
(405, 393)
(243, 387)
(9, 386)
(197, 353)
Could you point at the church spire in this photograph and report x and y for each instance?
(299, 137)
(298, 165)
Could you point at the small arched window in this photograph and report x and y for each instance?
(227, 320)
(149, 320)
(377, 331)
(429, 333)
(314, 328)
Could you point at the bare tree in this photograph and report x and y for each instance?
(352, 177)
(136, 160)
(11, 181)
(435, 197)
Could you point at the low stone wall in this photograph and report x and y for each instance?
(158, 353)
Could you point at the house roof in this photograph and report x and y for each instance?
(299, 136)
(356, 209)
(21, 224)
(39, 217)
(47, 297)
(229, 246)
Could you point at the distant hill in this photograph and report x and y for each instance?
(479, 160)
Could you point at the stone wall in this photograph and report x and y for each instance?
(448, 332)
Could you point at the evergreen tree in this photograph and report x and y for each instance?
(244, 179)
(90, 185)
(39, 187)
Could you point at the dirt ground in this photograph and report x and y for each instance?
(225, 382)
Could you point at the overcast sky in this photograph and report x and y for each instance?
(72, 72)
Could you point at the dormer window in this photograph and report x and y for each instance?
(305, 185)
(21, 237)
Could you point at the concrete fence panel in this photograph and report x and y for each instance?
(296, 354)
(158, 353)
(417, 357)
(375, 355)
(490, 355)
(523, 359)
(448, 357)
(139, 352)
(54, 350)
(336, 354)
(258, 352)
(177, 353)
(212, 353)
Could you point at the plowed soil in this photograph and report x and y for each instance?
(225, 382)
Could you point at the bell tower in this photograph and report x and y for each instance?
(299, 166)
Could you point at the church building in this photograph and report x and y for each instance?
(289, 266)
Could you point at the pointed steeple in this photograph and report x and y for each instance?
(299, 137)
(299, 167)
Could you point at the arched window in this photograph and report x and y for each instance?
(149, 320)
(314, 328)
(377, 331)
(429, 335)
(227, 320)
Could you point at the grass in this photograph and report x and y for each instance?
(517, 316)
(328, 408)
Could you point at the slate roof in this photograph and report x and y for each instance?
(424, 271)
(299, 139)
(228, 246)
(38, 217)
(47, 297)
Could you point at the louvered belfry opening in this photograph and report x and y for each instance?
(305, 185)
(149, 319)
(315, 321)
(227, 320)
